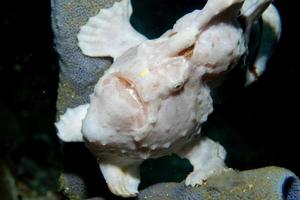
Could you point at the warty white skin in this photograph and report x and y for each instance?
(154, 98)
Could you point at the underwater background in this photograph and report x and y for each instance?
(258, 125)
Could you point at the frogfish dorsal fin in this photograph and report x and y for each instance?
(270, 35)
(109, 33)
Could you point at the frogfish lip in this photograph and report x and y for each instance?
(128, 96)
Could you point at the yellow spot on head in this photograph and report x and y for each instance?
(144, 72)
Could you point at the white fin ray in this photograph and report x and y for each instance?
(214, 8)
(109, 33)
(271, 32)
(251, 11)
(121, 180)
(186, 20)
(70, 123)
(207, 158)
(200, 18)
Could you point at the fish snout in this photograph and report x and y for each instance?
(123, 106)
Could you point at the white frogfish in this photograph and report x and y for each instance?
(155, 97)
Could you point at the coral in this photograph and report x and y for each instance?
(270, 183)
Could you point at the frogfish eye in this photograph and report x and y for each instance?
(177, 87)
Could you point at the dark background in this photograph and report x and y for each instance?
(258, 125)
